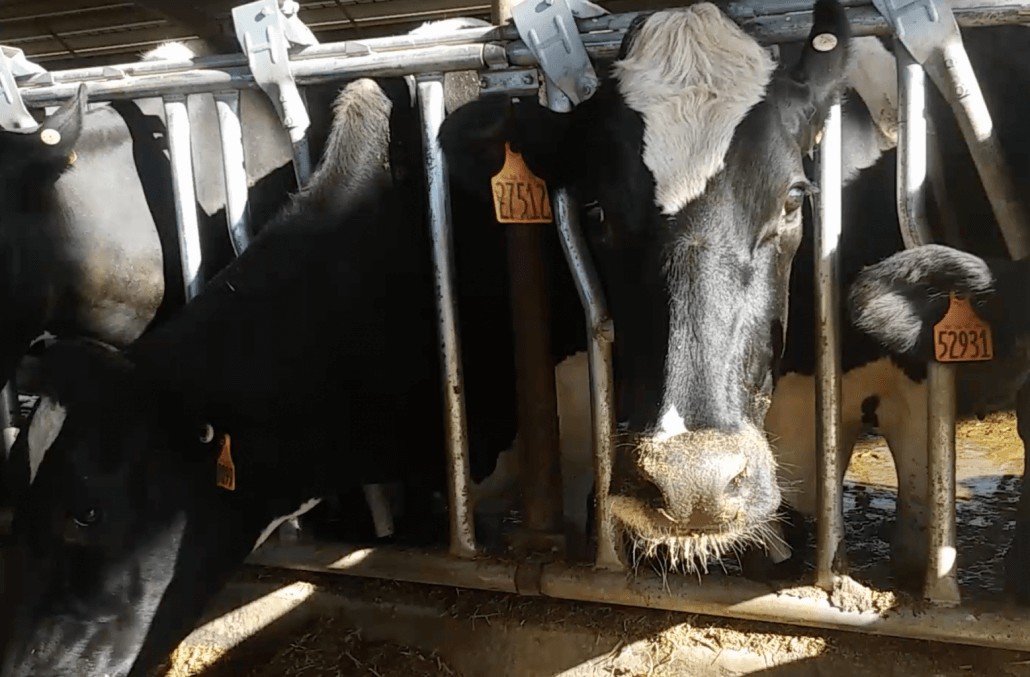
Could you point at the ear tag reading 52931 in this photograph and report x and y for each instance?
(961, 336)
(520, 196)
(225, 476)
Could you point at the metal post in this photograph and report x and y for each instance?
(237, 199)
(537, 442)
(178, 122)
(831, 552)
(601, 335)
(941, 584)
(431, 108)
(912, 151)
(9, 411)
(953, 74)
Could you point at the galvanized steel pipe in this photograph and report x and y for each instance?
(912, 151)
(714, 595)
(8, 415)
(468, 49)
(237, 198)
(941, 583)
(600, 336)
(177, 121)
(831, 549)
(431, 108)
(953, 74)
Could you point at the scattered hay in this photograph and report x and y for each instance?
(327, 648)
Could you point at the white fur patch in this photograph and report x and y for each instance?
(671, 425)
(43, 431)
(279, 521)
(692, 74)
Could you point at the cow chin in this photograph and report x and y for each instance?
(682, 503)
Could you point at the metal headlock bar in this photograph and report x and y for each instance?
(557, 39)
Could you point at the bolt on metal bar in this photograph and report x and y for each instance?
(953, 74)
(941, 583)
(177, 121)
(830, 552)
(431, 109)
(237, 198)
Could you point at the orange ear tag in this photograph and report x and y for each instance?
(519, 195)
(225, 477)
(961, 336)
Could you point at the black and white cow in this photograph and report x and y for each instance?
(884, 354)
(692, 149)
(313, 357)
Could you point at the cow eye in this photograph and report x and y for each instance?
(795, 198)
(207, 433)
(87, 518)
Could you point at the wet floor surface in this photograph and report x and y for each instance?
(988, 477)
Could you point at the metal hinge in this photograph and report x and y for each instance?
(14, 116)
(548, 27)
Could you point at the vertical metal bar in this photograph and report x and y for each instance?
(237, 198)
(941, 584)
(830, 525)
(953, 74)
(302, 161)
(178, 123)
(500, 12)
(9, 411)
(537, 440)
(912, 151)
(601, 335)
(431, 108)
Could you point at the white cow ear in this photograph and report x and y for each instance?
(207, 433)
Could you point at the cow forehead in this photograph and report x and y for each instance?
(692, 74)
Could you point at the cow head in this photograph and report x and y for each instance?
(692, 148)
(122, 536)
(46, 152)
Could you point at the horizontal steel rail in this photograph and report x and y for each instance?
(473, 48)
(731, 598)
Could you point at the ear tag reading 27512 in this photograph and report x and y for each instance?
(520, 196)
(961, 336)
(225, 476)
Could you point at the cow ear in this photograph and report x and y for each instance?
(805, 92)
(60, 132)
(899, 300)
(473, 140)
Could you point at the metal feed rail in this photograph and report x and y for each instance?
(503, 58)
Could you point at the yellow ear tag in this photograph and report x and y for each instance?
(72, 157)
(519, 195)
(225, 477)
(961, 336)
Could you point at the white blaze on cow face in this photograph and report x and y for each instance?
(43, 431)
(671, 425)
(693, 75)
